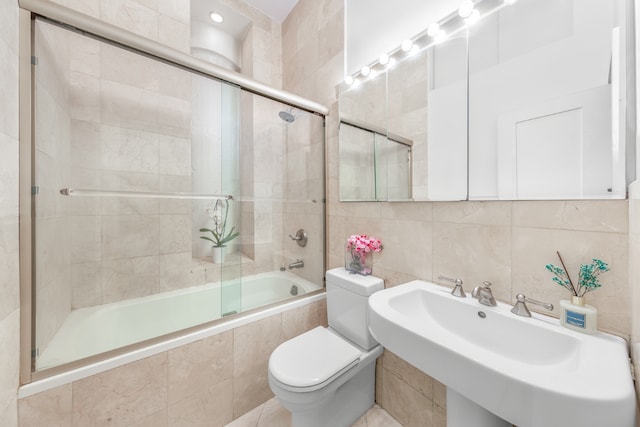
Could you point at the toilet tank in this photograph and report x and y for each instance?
(347, 296)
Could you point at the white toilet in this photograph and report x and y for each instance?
(326, 376)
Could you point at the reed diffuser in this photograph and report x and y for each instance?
(575, 314)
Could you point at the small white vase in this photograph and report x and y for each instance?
(218, 254)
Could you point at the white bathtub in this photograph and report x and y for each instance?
(94, 330)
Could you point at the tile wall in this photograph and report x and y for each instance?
(9, 257)
(506, 243)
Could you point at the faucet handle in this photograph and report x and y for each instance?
(457, 291)
(520, 307)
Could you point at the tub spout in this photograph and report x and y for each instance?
(296, 264)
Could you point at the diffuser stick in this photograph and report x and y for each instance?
(567, 273)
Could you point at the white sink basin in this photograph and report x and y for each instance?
(528, 371)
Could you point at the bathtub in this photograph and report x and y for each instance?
(94, 330)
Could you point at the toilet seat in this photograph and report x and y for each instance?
(308, 361)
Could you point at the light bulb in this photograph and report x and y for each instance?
(414, 50)
(433, 29)
(466, 9)
(392, 62)
(365, 71)
(356, 82)
(384, 59)
(473, 18)
(349, 80)
(406, 45)
(441, 36)
(216, 17)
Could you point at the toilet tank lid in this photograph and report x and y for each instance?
(363, 285)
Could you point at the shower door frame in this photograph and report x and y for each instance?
(75, 21)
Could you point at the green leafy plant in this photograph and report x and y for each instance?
(219, 212)
(587, 276)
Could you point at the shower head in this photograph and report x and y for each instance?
(287, 116)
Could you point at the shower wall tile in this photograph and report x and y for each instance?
(8, 73)
(85, 239)
(129, 278)
(127, 236)
(175, 271)
(174, 233)
(85, 147)
(122, 396)
(84, 97)
(133, 15)
(174, 156)
(49, 408)
(88, 7)
(86, 284)
(129, 150)
(9, 360)
(86, 56)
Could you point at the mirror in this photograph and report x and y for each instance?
(536, 112)
(418, 106)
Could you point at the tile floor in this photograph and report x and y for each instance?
(272, 414)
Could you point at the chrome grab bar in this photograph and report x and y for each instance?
(85, 192)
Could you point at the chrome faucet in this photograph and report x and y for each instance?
(296, 264)
(520, 307)
(484, 294)
(457, 290)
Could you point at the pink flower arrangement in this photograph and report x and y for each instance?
(363, 244)
(358, 246)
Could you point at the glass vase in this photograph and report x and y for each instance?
(358, 262)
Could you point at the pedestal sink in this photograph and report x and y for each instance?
(531, 372)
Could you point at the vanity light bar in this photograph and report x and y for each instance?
(84, 192)
(467, 12)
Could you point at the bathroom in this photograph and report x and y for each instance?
(509, 242)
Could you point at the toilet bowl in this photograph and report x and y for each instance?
(326, 376)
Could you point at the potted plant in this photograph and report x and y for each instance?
(218, 235)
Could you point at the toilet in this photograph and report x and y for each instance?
(326, 376)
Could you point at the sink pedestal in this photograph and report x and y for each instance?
(462, 412)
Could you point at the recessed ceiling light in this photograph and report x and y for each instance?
(216, 17)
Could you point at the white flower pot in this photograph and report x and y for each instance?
(218, 254)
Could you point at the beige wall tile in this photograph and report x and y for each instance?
(404, 403)
(128, 236)
(129, 278)
(212, 408)
(408, 373)
(122, 396)
(474, 253)
(486, 213)
(9, 360)
(253, 344)
(49, 408)
(609, 216)
(196, 367)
